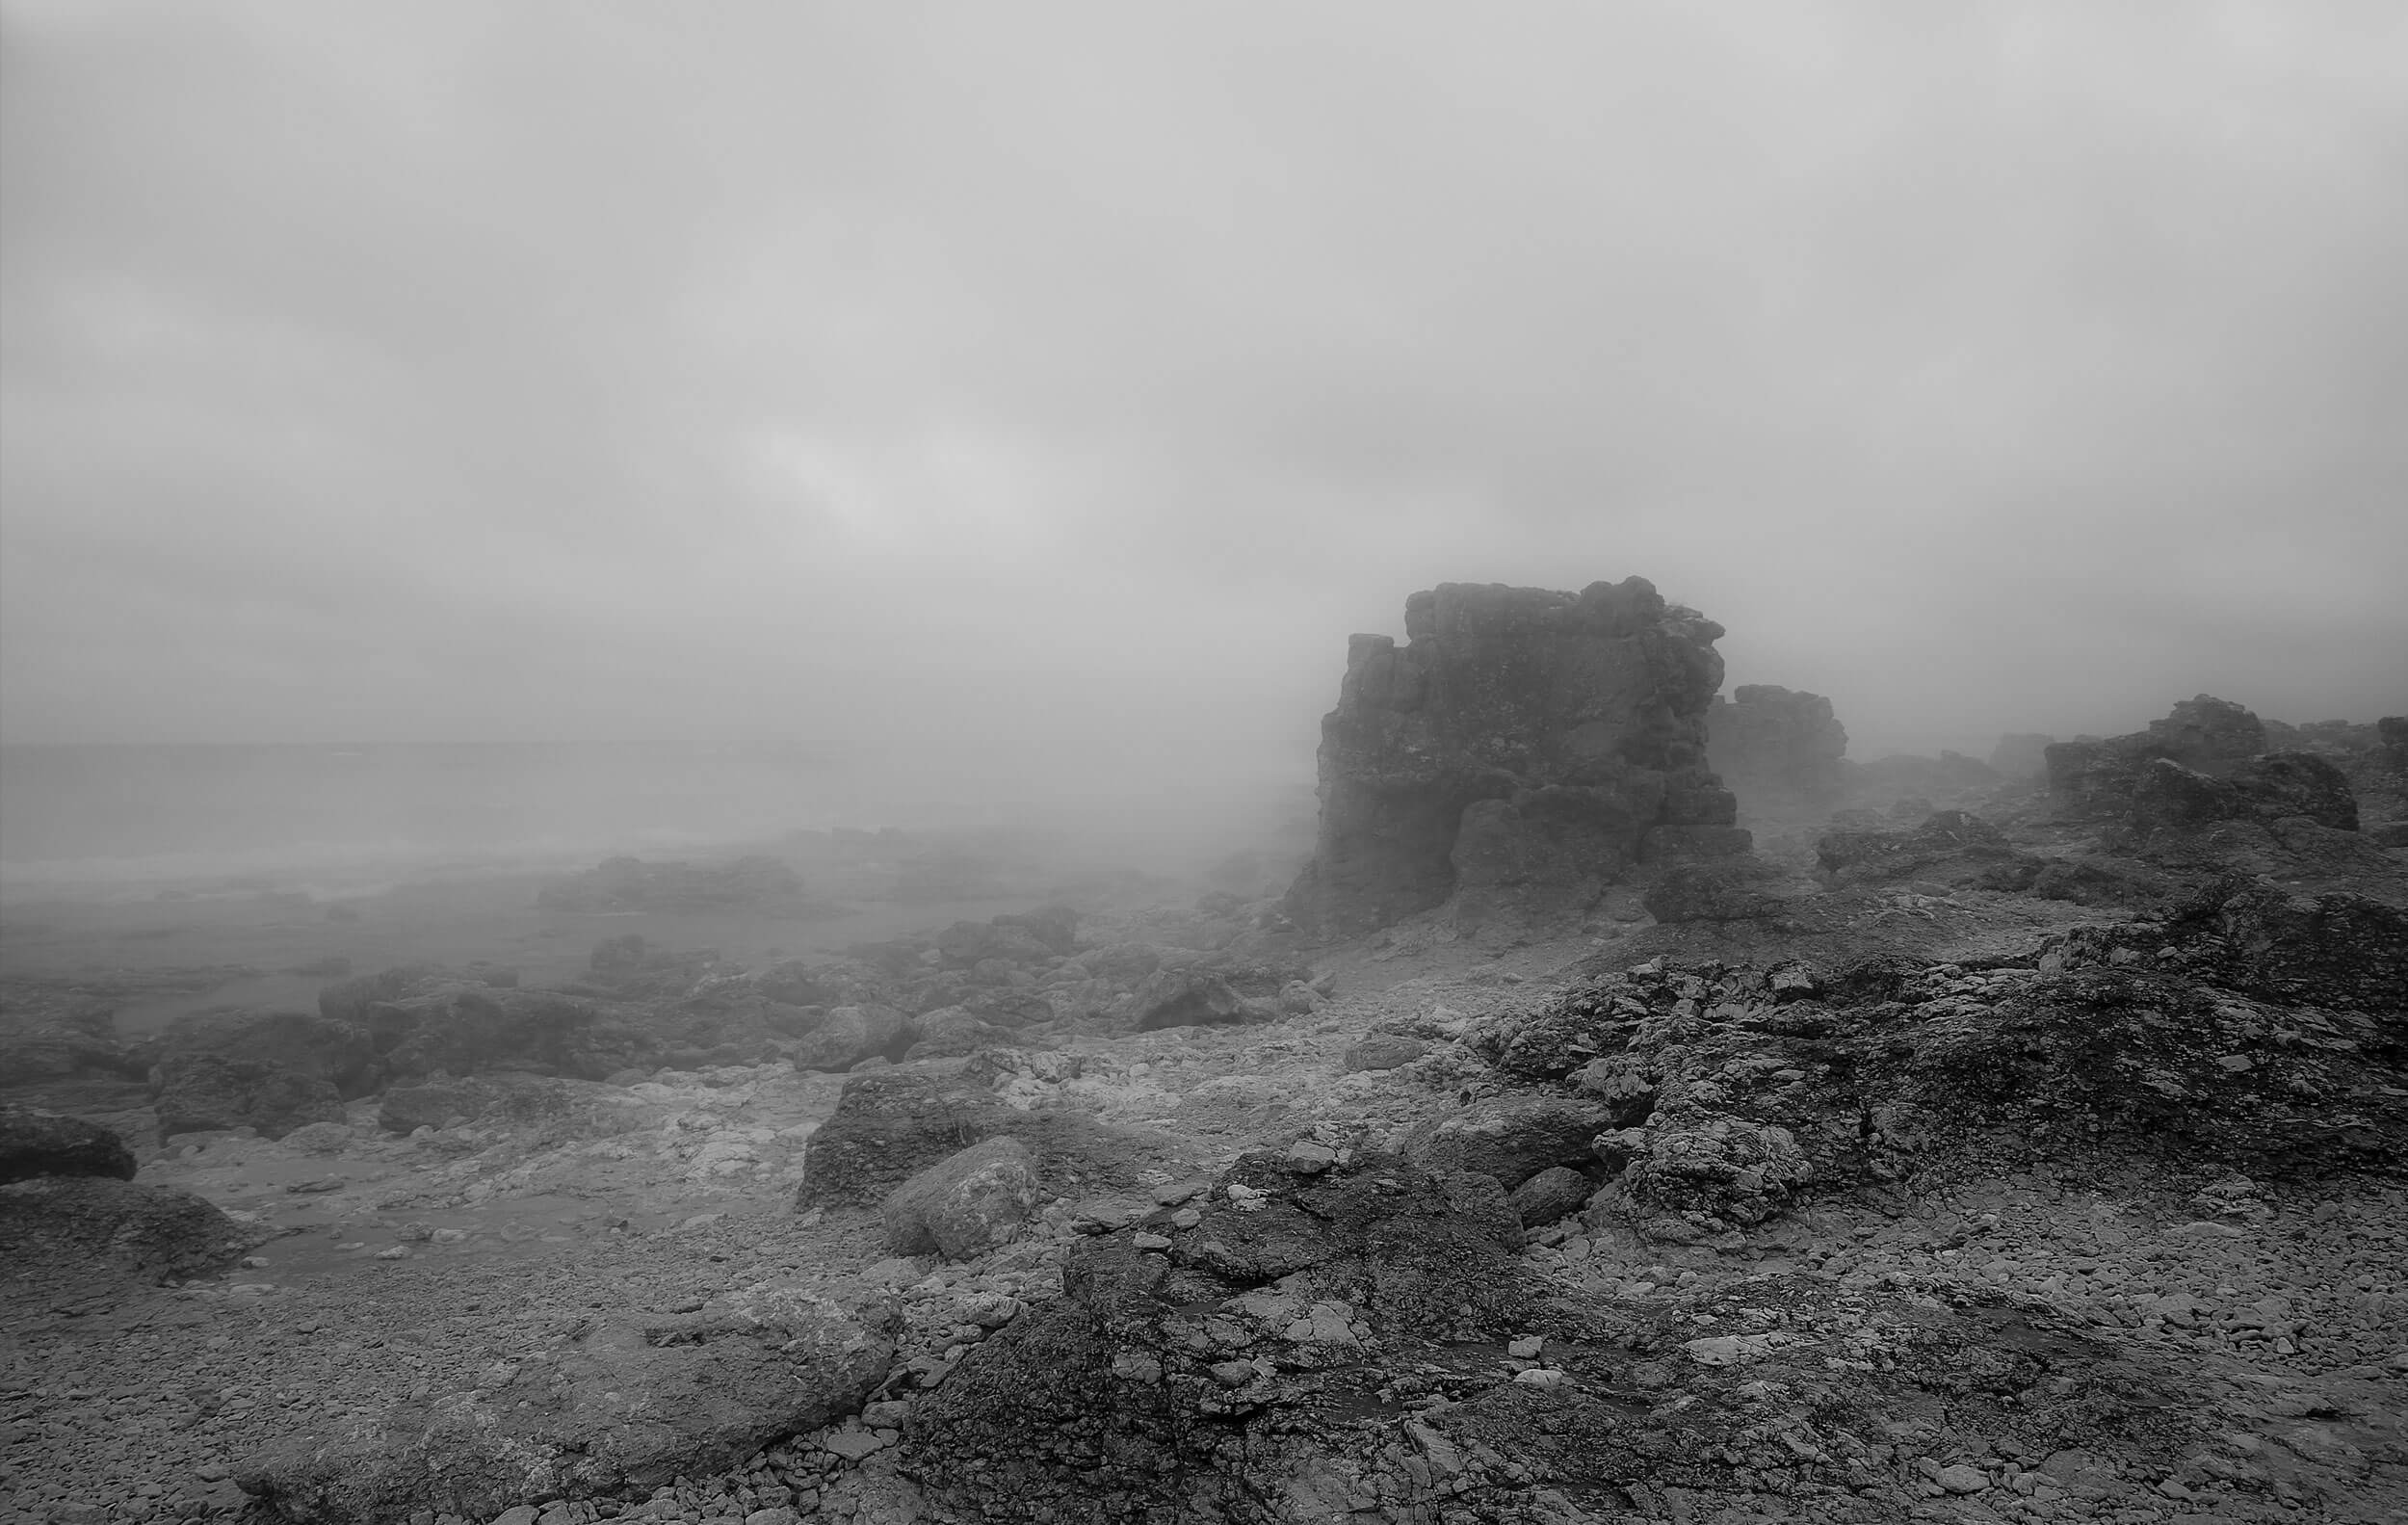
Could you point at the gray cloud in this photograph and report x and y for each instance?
(1079, 376)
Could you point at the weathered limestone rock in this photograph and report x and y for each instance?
(1510, 1138)
(1550, 1194)
(1777, 748)
(2204, 734)
(1514, 752)
(36, 1142)
(966, 1205)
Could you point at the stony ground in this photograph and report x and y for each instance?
(392, 1266)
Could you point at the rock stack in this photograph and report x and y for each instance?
(1518, 753)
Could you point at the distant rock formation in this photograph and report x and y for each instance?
(2206, 761)
(1520, 751)
(2022, 755)
(1777, 748)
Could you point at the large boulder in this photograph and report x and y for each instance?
(1146, 1384)
(627, 1405)
(851, 1034)
(72, 1226)
(891, 1124)
(1947, 846)
(1512, 1137)
(964, 1206)
(461, 1029)
(1777, 748)
(339, 1052)
(1194, 997)
(2094, 776)
(48, 1143)
(2167, 796)
(45, 1036)
(1497, 695)
(205, 1092)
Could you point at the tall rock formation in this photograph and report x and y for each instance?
(1520, 751)
(1778, 747)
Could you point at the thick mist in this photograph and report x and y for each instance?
(1027, 405)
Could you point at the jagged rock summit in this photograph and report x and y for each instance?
(1517, 753)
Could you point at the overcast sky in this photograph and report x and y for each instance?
(986, 375)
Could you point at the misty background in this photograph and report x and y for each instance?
(953, 411)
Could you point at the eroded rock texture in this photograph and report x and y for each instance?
(1778, 749)
(1515, 753)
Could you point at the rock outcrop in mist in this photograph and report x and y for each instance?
(1519, 751)
(1778, 747)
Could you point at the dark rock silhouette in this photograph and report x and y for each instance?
(1777, 748)
(36, 1142)
(2204, 734)
(891, 1125)
(2205, 762)
(74, 1224)
(1519, 747)
(205, 1092)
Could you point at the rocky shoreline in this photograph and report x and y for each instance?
(1575, 1141)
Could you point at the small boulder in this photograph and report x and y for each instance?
(964, 1206)
(321, 1138)
(1383, 1051)
(1550, 1194)
(1190, 998)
